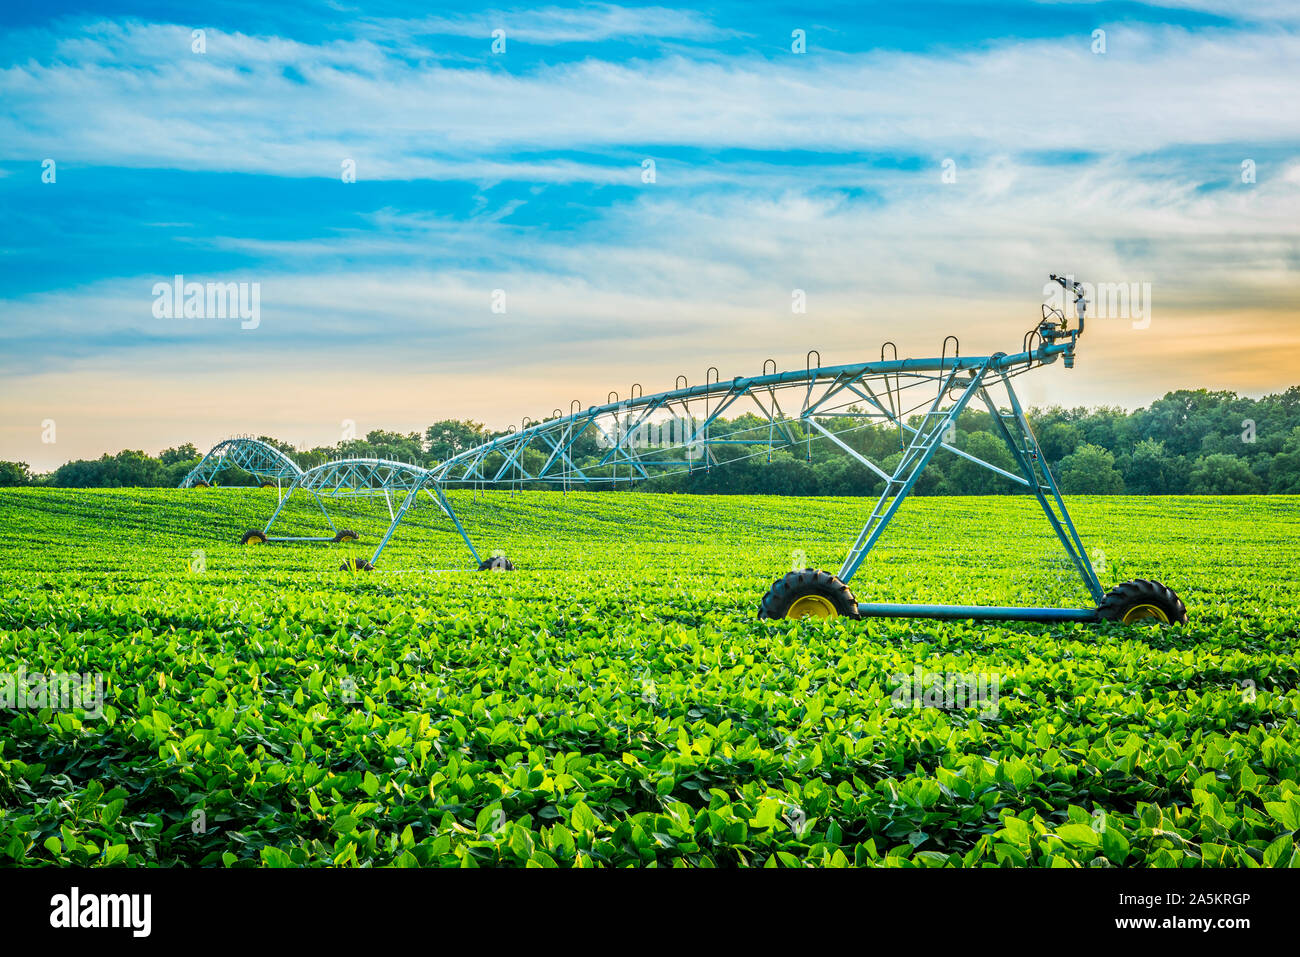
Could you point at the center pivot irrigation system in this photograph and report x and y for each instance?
(645, 436)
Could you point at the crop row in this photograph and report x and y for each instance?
(616, 703)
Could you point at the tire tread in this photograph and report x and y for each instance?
(807, 581)
(1142, 591)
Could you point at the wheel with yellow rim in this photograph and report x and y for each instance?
(253, 536)
(345, 535)
(1142, 602)
(810, 593)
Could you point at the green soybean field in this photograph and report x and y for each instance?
(615, 701)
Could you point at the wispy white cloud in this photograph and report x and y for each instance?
(668, 268)
(1247, 10)
(135, 95)
(587, 23)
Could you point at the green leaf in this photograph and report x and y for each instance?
(1114, 844)
(768, 811)
(1079, 834)
(1279, 852)
(521, 842)
(115, 853)
(582, 819)
(1287, 813)
(112, 810)
(275, 857)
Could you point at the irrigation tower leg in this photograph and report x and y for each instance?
(284, 501)
(925, 442)
(279, 506)
(1019, 437)
(397, 520)
(446, 507)
(407, 502)
(324, 511)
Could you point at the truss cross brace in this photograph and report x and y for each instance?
(928, 438)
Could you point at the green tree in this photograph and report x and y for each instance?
(1183, 420)
(378, 444)
(841, 475)
(129, 468)
(1108, 427)
(81, 473)
(1059, 439)
(963, 477)
(785, 475)
(14, 473)
(1151, 470)
(182, 453)
(1222, 474)
(1090, 470)
(285, 447)
(176, 472)
(1284, 469)
(451, 436)
(932, 480)
(312, 457)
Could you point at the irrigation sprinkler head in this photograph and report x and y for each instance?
(1054, 327)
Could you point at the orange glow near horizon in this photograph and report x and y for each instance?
(97, 408)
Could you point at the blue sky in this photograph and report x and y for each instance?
(523, 170)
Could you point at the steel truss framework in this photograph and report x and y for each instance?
(268, 464)
(680, 430)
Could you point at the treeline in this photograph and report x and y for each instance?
(134, 469)
(1197, 442)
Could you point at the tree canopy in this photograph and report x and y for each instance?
(1191, 441)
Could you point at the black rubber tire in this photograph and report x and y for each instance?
(1123, 598)
(345, 535)
(254, 536)
(200, 485)
(811, 581)
(357, 565)
(497, 563)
